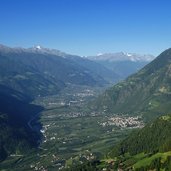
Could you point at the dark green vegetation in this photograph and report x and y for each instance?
(149, 148)
(146, 93)
(15, 112)
(154, 137)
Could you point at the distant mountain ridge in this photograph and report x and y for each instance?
(122, 63)
(35, 49)
(122, 56)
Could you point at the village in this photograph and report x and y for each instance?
(124, 121)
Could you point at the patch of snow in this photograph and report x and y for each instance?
(38, 47)
(128, 54)
(99, 54)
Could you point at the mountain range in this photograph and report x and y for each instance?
(40, 71)
(122, 56)
(122, 63)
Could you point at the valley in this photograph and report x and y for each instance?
(70, 134)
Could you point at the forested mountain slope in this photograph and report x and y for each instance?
(40, 71)
(148, 148)
(146, 93)
(16, 136)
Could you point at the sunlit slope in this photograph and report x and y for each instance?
(147, 93)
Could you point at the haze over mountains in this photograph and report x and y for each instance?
(121, 56)
(122, 63)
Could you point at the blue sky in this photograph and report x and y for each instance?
(87, 27)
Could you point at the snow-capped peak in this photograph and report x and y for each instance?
(99, 54)
(122, 56)
(38, 47)
(128, 54)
